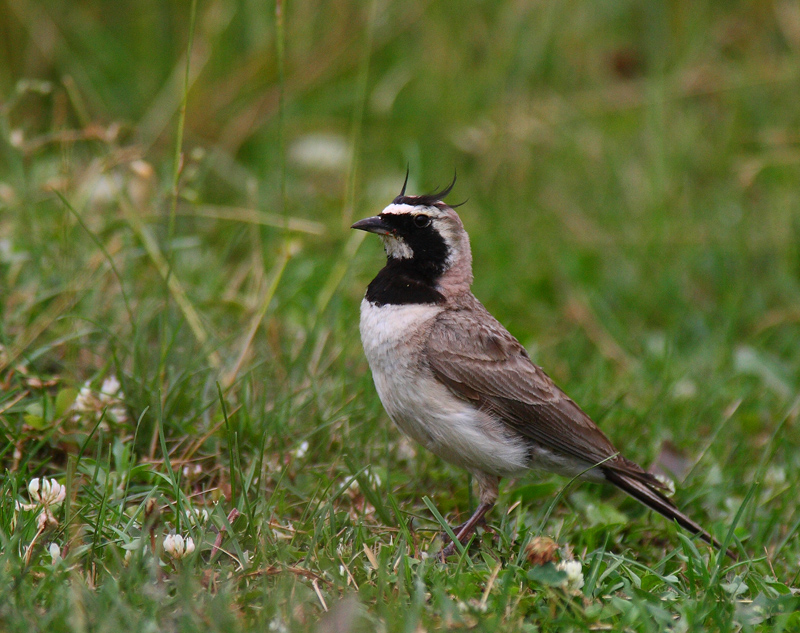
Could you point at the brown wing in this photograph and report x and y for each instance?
(476, 357)
(478, 360)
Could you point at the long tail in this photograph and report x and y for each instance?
(650, 496)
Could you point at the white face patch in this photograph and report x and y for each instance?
(450, 234)
(396, 247)
(407, 209)
(398, 209)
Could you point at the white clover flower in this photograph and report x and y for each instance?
(351, 485)
(45, 493)
(55, 553)
(196, 516)
(25, 506)
(192, 471)
(178, 547)
(118, 413)
(110, 389)
(83, 402)
(574, 572)
(45, 520)
(301, 450)
(48, 492)
(93, 404)
(278, 625)
(171, 544)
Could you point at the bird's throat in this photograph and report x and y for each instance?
(405, 281)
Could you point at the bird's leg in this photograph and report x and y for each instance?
(457, 528)
(487, 485)
(467, 529)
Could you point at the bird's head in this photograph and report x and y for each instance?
(426, 234)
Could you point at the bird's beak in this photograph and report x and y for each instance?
(373, 225)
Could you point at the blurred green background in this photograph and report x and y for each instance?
(631, 171)
(630, 167)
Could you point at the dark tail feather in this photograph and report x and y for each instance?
(655, 500)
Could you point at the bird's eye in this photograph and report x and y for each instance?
(421, 221)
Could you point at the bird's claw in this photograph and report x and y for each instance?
(450, 548)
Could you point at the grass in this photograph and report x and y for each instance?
(631, 172)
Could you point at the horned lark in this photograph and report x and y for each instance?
(454, 379)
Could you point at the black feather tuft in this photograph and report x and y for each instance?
(405, 182)
(427, 199)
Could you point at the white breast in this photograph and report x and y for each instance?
(393, 337)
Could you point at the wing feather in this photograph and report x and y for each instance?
(470, 352)
(479, 360)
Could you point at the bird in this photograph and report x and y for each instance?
(452, 378)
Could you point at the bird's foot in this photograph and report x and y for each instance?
(448, 551)
(466, 530)
(463, 534)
